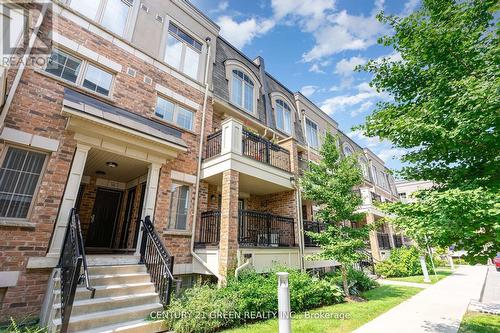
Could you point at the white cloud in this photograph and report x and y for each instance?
(391, 153)
(310, 13)
(221, 7)
(242, 33)
(316, 68)
(363, 108)
(341, 103)
(410, 6)
(369, 142)
(345, 67)
(308, 91)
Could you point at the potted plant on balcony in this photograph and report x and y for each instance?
(329, 184)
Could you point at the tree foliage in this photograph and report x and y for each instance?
(446, 92)
(330, 184)
(445, 111)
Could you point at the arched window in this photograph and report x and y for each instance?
(283, 116)
(242, 90)
(348, 150)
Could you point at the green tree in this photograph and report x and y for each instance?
(445, 112)
(330, 185)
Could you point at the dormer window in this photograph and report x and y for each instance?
(348, 151)
(283, 116)
(242, 92)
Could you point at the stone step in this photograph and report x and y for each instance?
(135, 326)
(98, 320)
(108, 303)
(109, 290)
(110, 279)
(117, 269)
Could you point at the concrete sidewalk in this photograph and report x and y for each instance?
(404, 284)
(438, 308)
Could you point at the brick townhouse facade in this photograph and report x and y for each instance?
(141, 109)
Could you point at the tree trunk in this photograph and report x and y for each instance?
(343, 270)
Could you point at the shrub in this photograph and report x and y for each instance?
(205, 308)
(357, 280)
(23, 327)
(402, 262)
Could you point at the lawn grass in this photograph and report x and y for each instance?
(474, 322)
(380, 300)
(440, 272)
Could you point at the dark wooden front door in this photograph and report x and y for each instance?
(104, 217)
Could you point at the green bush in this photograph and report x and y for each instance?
(357, 280)
(205, 308)
(402, 262)
(22, 327)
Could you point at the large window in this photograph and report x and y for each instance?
(374, 175)
(179, 207)
(80, 72)
(19, 177)
(242, 90)
(312, 134)
(182, 51)
(174, 113)
(283, 116)
(112, 14)
(12, 21)
(364, 167)
(348, 150)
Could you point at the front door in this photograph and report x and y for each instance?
(128, 218)
(104, 218)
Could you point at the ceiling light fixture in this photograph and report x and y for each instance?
(112, 164)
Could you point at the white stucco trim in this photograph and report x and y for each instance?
(9, 278)
(28, 139)
(182, 177)
(177, 97)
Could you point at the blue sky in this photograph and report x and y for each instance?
(312, 46)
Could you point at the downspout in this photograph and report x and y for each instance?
(198, 170)
(22, 66)
(300, 224)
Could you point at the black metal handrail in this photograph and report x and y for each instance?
(159, 263)
(263, 150)
(214, 144)
(209, 232)
(398, 240)
(383, 241)
(265, 229)
(70, 263)
(367, 262)
(313, 226)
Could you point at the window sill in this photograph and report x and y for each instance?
(168, 123)
(174, 232)
(76, 87)
(18, 223)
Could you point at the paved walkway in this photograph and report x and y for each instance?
(491, 292)
(438, 308)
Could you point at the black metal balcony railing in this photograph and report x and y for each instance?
(312, 226)
(376, 197)
(383, 241)
(265, 229)
(398, 240)
(263, 150)
(214, 143)
(209, 228)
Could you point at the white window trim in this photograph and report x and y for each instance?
(81, 74)
(176, 111)
(188, 215)
(163, 48)
(347, 145)
(275, 96)
(129, 22)
(231, 65)
(317, 132)
(36, 192)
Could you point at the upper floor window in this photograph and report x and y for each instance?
(364, 167)
(283, 116)
(12, 19)
(348, 150)
(112, 14)
(312, 134)
(179, 207)
(182, 51)
(374, 174)
(20, 175)
(174, 113)
(242, 92)
(80, 72)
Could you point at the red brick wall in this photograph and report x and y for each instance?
(36, 108)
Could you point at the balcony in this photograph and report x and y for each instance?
(312, 226)
(383, 241)
(253, 146)
(255, 229)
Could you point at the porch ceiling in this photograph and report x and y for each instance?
(127, 169)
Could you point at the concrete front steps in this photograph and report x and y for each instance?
(124, 299)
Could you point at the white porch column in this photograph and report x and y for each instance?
(69, 199)
(232, 134)
(149, 198)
